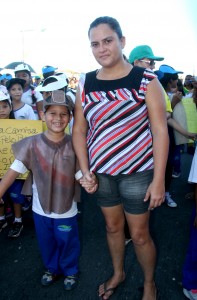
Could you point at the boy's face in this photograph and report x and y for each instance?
(16, 92)
(57, 118)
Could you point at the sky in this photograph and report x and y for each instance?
(48, 32)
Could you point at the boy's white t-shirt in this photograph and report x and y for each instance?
(19, 167)
(24, 113)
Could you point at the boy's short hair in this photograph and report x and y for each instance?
(58, 97)
(13, 81)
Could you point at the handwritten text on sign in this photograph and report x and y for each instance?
(12, 131)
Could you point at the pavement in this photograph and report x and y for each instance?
(21, 267)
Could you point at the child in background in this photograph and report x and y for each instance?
(21, 110)
(51, 159)
(14, 191)
(30, 96)
(190, 265)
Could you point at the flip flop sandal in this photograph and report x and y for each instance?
(108, 290)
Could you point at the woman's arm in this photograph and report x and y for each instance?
(79, 133)
(80, 145)
(157, 114)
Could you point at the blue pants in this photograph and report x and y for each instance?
(190, 265)
(14, 192)
(59, 244)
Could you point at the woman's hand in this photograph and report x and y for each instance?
(156, 194)
(89, 182)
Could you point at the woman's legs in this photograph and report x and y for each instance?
(114, 218)
(145, 251)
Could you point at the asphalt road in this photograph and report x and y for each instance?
(21, 267)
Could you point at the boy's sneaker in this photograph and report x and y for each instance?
(192, 294)
(176, 174)
(3, 224)
(169, 201)
(70, 282)
(15, 230)
(48, 278)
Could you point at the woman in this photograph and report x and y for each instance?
(115, 107)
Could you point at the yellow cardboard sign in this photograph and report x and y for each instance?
(191, 114)
(12, 131)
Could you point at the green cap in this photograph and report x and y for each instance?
(143, 51)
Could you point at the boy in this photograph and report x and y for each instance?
(51, 159)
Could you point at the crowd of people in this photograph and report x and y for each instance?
(127, 126)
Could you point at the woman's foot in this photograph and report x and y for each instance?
(150, 292)
(107, 288)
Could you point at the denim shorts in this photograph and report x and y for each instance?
(127, 190)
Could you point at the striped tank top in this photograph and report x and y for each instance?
(119, 138)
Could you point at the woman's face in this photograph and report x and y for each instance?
(106, 45)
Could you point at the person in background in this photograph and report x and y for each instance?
(30, 96)
(6, 112)
(13, 194)
(22, 111)
(55, 190)
(37, 81)
(177, 95)
(188, 85)
(4, 78)
(115, 108)
(143, 56)
(189, 279)
(168, 78)
(48, 71)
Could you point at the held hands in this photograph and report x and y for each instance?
(156, 194)
(89, 182)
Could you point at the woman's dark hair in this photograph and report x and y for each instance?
(34, 99)
(111, 22)
(167, 78)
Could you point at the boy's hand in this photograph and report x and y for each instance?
(89, 182)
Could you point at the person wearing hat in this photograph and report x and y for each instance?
(21, 110)
(59, 81)
(13, 194)
(55, 190)
(168, 78)
(5, 106)
(143, 56)
(4, 78)
(30, 96)
(48, 71)
(37, 81)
